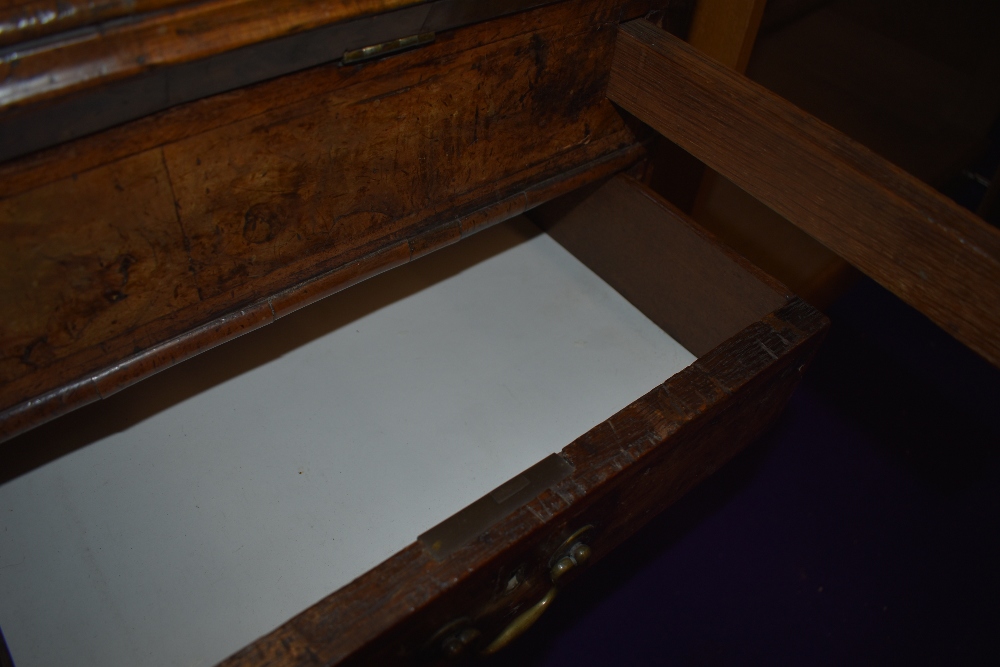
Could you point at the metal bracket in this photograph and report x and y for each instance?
(385, 48)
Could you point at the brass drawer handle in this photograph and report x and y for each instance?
(577, 555)
(518, 626)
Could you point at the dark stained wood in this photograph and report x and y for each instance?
(180, 348)
(725, 30)
(23, 20)
(934, 255)
(183, 32)
(133, 250)
(70, 85)
(190, 119)
(624, 233)
(626, 470)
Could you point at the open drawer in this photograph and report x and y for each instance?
(214, 501)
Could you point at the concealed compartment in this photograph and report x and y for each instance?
(197, 510)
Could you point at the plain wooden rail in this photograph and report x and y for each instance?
(941, 259)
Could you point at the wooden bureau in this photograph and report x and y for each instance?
(179, 174)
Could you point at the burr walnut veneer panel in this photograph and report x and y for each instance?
(135, 248)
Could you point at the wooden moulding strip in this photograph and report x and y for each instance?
(45, 407)
(626, 470)
(71, 84)
(932, 253)
(172, 35)
(21, 21)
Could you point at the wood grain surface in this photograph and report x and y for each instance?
(136, 248)
(179, 32)
(71, 84)
(933, 254)
(725, 30)
(23, 20)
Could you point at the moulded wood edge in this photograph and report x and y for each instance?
(37, 410)
(605, 459)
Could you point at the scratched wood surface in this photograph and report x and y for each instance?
(626, 470)
(135, 248)
(933, 254)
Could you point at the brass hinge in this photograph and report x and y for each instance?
(385, 48)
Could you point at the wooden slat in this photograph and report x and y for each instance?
(933, 254)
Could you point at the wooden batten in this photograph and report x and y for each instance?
(933, 254)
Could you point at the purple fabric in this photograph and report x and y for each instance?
(864, 528)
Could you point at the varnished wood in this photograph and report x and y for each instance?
(624, 233)
(132, 250)
(73, 84)
(626, 469)
(24, 20)
(183, 32)
(140, 247)
(933, 254)
(144, 363)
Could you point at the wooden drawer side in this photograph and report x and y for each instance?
(625, 470)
